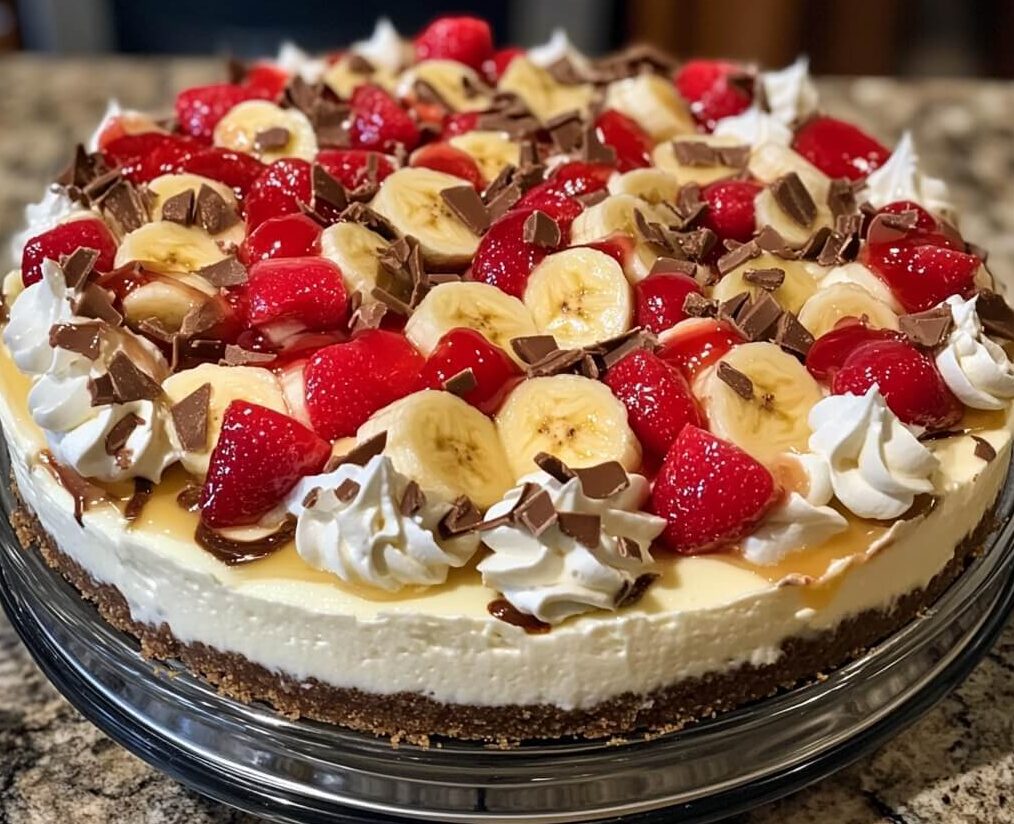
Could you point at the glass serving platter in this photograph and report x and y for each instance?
(249, 757)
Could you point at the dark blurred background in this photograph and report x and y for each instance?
(889, 37)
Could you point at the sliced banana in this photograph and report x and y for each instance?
(829, 305)
(244, 123)
(860, 275)
(445, 445)
(770, 161)
(356, 250)
(491, 151)
(796, 288)
(541, 93)
(774, 419)
(495, 314)
(167, 300)
(617, 214)
(344, 77)
(770, 213)
(410, 199)
(653, 103)
(653, 186)
(169, 248)
(574, 418)
(664, 157)
(228, 384)
(164, 187)
(579, 296)
(451, 80)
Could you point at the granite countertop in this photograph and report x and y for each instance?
(956, 764)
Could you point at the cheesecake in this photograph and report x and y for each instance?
(434, 389)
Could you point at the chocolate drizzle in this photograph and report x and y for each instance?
(83, 491)
(234, 553)
(503, 610)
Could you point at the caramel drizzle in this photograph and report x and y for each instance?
(143, 490)
(234, 553)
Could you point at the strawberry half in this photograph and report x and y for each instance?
(495, 66)
(288, 236)
(260, 456)
(306, 292)
(64, 239)
(278, 191)
(494, 372)
(659, 298)
(707, 86)
(839, 149)
(143, 157)
(236, 169)
(696, 343)
(830, 351)
(503, 258)
(349, 166)
(378, 122)
(630, 142)
(711, 493)
(730, 213)
(443, 157)
(465, 39)
(457, 123)
(199, 109)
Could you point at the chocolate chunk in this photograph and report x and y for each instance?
(238, 356)
(391, 302)
(695, 153)
(565, 130)
(585, 528)
(841, 198)
(225, 272)
(635, 592)
(541, 230)
(698, 306)
(129, 382)
(412, 499)
(214, 213)
(367, 316)
(327, 189)
(347, 490)
(769, 239)
(534, 348)
(667, 265)
(589, 199)
(504, 610)
(738, 256)
(792, 336)
(179, 208)
(537, 513)
(200, 318)
(190, 418)
(791, 194)
(728, 310)
(593, 150)
(768, 279)
(189, 498)
(467, 206)
(504, 200)
(101, 390)
(556, 363)
(116, 437)
(461, 383)
(426, 92)
(888, 228)
(235, 553)
(615, 350)
(603, 480)
(277, 137)
(123, 204)
(983, 449)
(627, 547)
(361, 453)
(463, 517)
(95, 302)
(690, 204)
(554, 467)
(143, 490)
(78, 265)
(499, 183)
(735, 380)
(930, 328)
(996, 315)
(80, 338)
(757, 319)
(838, 248)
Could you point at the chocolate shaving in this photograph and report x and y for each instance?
(234, 553)
(123, 204)
(463, 517)
(698, 306)
(770, 240)
(983, 449)
(565, 131)
(699, 153)
(504, 200)
(200, 318)
(504, 610)
(792, 336)
(328, 189)
(728, 310)
(101, 390)
(533, 348)
(738, 256)
(838, 248)
(593, 150)
(791, 194)
(277, 137)
(238, 356)
(757, 319)
(735, 380)
(190, 418)
(554, 467)
(214, 213)
(767, 279)
(888, 228)
(95, 302)
(930, 328)
(690, 204)
(541, 230)
(468, 207)
(461, 383)
(603, 480)
(116, 437)
(224, 273)
(143, 490)
(667, 265)
(368, 316)
(628, 596)
(78, 265)
(361, 454)
(995, 314)
(189, 497)
(841, 198)
(80, 338)
(129, 382)
(365, 216)
(536, 513)
(585, 528)
(347, 490)
(412, 499)
(179, 208)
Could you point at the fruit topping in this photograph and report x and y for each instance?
(465, 39)
(830, 351)
(305, 293)
(278, 191)
(378, 122)
(235, 169)
(445, 158)
(659, 299)
(199, 109)
(287, 236)
(730, 213)
(630, 142)
(714, 89)
(696, 343)
(64, 239)
(839, 149)
(465, 363)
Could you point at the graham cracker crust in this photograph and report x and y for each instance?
(415, 718)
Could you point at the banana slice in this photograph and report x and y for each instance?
(345, 76)
(653, 103)
(579, 296)
(166, 299)
(795, 290)
(770, 213)
(167, 186)
(769, 161)
(445, 445)
(774, 419)
(356, 250)
(495, 314)
(228, 384)
(574, 418)
(169, 248)
(616, 214)
(451, 80)
(859, 275)
(653, 186)
(829, 305)
(410, 199)
(541, 93)
(245, 124)
(664, 157)
(492, 151)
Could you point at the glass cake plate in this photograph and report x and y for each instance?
(253, 759)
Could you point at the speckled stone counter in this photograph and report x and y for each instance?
(956, 765)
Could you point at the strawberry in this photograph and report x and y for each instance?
(126, 123)
(908, 379)
(839, 149)
(658, 399)
(64, 239)
(278, 191)
(495, 66)
(378, 122)
(236, 169)
(465, 39)
(349, 166)
(458, 123)
(630, 142)
(443, 157)
(710, 491)
(545, 198)
(198, 109)
(730, 213)
(348, 382)
(143, 157)
(831, 349)
(706, 85)
(924, 221)
(307, 291)
(694, 344)
(260, 456)
(503, 259)
(580, 178)
(267, 79)
(617, 245)
(287, 236)
(658, 300)
(459, 349)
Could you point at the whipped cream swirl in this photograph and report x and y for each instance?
(877, 465)
(790, 93)
(900, 179)
(557, 47)
(755, 127)
(294, 61)
(802, 520)
(554, 576)
(368, 539)
(974, 368)
(385, 48)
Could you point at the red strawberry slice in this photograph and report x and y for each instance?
(711, 492)
(266, 79)
(924, 221)
(260, 456)
(730, 213)
(658, 399)
(830, 351)
(580, 178)
(348, 382)
(546, 198)
(288, 236)
(199, 109)
(458, 123)
(443, 157)
(378, 122)
(278, 191)
(306, 292)
(630, 142)
(350, 166)
(235, 169)
(707, 86)
(494, 372)
(908, 379)
(659, 298)
(503, 258)
(465, 39)
(64, 239)
(143, 157)
(839, 149)
(494, 68)
(694, 344)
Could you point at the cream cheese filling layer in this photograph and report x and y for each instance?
(705, 615)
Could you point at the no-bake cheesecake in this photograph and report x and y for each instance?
(429, 388)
